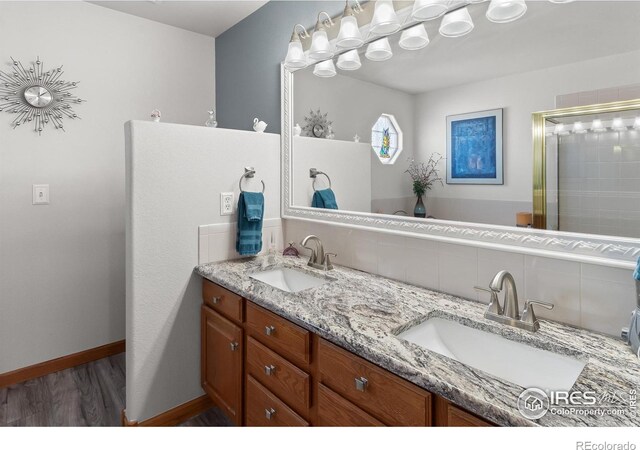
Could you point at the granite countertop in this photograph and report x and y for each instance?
(363, 313)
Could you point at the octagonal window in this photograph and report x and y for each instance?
(386, 139)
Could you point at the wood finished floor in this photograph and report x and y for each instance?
(89, 395)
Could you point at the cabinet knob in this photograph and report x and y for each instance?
(269, 330)
(269, 413)
(215, 300)
(361, 384)
(234, 346)
(270, 370)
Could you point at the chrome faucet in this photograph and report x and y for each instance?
(318, 259)
(510, 314)
(504, 280)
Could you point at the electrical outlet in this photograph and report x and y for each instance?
(40, 194)
(226, 203)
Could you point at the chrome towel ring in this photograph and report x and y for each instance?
(249, 172)
(313, 173)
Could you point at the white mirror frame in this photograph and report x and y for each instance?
(594, 249)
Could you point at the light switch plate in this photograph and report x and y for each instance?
(40, 194)
(226, 203)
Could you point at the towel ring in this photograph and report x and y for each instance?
(313, 173)
(249, 172)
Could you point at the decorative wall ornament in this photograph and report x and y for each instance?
(474, 148)
(386, 139)
(211, 122)
(38, 96)
(316, 124)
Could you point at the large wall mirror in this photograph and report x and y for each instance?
(460, 112)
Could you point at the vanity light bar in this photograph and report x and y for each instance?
(596, 126)
(385, 20)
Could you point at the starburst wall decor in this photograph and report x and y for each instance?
(316, 124)
(36, 96)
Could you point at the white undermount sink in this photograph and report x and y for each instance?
(509, 360)
(288, 280)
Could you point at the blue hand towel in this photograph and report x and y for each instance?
(636, 273)
(250, 213)
(324, 198)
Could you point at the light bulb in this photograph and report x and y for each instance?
(618, 124)
(597, 126)
(295, 58)
(414, 38)
(320, 48)
(578, 128)
(349, 35)
(429, 9)
(456, 23)
(385, 20)
(379, 50)
(324, 69)
(560, 130)
(349, 61)
(503, 11)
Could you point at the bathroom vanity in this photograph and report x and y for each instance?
(334, 354)
(263, 370)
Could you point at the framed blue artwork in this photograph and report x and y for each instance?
(474, 148)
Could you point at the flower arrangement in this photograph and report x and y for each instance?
(424, 175)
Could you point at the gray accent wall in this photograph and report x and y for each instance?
(248, 58)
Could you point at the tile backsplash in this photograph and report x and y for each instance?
(589, 296)
(217, 242)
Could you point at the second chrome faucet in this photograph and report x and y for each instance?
(509, 314)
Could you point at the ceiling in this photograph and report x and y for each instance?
(211, 18)
(548, 35)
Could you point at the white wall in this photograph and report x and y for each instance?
(175, 175)
(593, 297)
(520, 95)
(348, 164)
(62, 274)
(354, 106)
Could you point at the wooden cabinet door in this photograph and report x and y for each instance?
(221, 359)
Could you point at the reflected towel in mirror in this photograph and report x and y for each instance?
(250, 214)
(324, 198)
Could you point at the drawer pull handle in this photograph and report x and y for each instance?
(361, 384)
(269, 413)
(215, 300)
(270, 370)
(234, 346)
(269, 330)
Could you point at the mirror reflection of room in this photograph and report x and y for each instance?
(593, 173)
(470, 101)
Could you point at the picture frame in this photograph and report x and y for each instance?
(474, 148)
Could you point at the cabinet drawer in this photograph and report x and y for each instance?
(335, 411)
(225, 302)
(278, 334)
(264, 409)
(278, 375)
(457, 417)
(378, 392)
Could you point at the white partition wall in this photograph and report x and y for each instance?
(175, 174)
